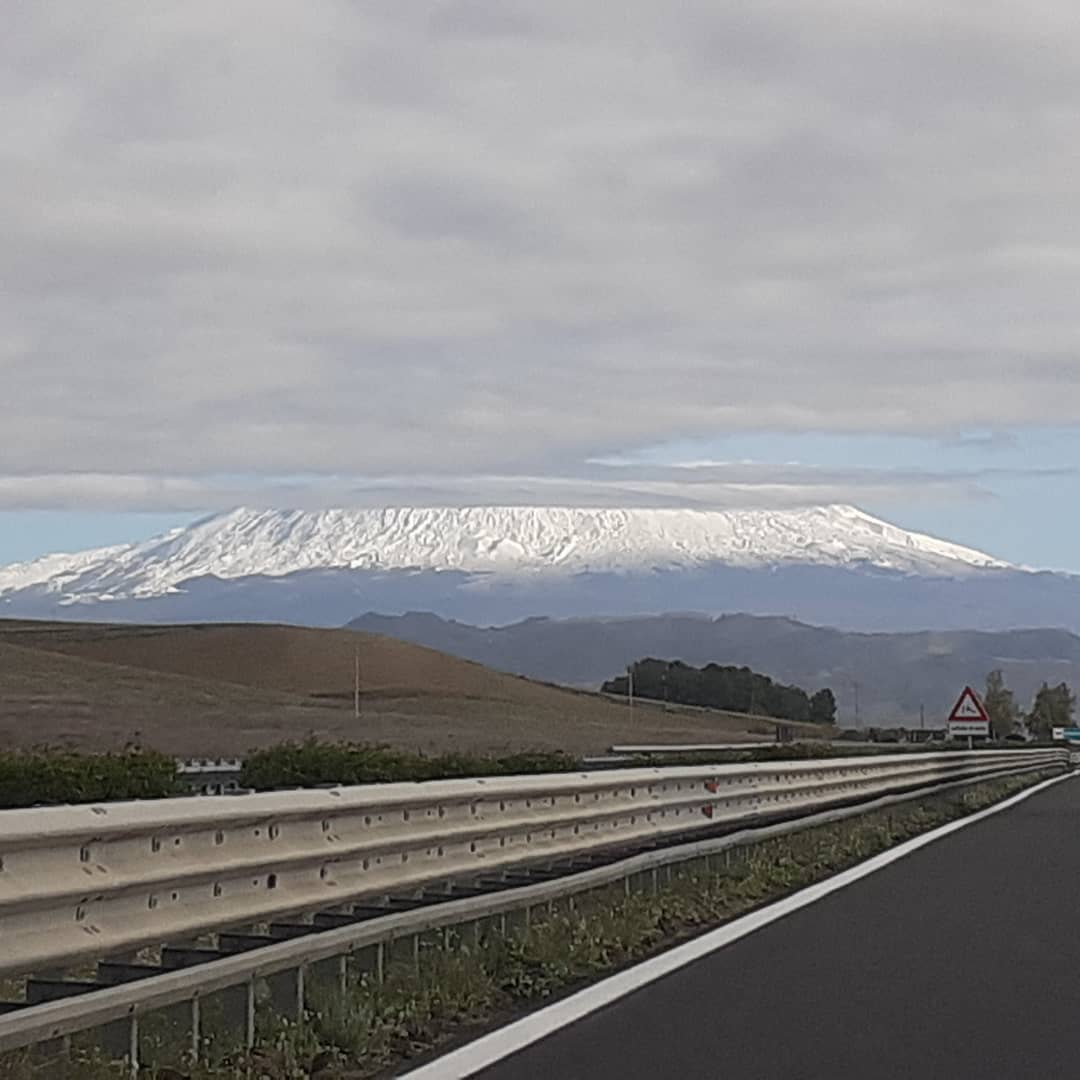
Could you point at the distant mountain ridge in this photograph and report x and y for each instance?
(897, 675)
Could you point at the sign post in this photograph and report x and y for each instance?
(969, 717)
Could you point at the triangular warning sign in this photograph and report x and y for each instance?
(969, 707)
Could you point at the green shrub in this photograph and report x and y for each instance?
(311, 763)
(46, 777)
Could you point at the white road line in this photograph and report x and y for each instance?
(507, 1040)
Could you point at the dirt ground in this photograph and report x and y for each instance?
(226, 689)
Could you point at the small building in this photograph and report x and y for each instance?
(211, 776)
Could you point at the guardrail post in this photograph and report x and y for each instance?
(249, 1026)
(196, 1033)
(133, 1044)
(300, 993)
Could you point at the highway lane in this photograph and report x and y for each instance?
(961, 960)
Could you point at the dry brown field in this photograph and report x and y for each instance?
(212, 689)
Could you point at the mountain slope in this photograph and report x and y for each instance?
(500, 540)
(897, 674)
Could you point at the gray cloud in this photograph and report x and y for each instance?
(482, 19)
(453, 207)
(439, 244)
(704, 485)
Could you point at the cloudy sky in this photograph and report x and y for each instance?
(690, 252)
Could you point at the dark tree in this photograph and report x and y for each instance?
(823, 707)
(1000, 705)
(735, 689)
(1053, 708)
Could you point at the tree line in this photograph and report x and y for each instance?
(735, 689)
(1053, 707)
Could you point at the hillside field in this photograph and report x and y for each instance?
(213, 689)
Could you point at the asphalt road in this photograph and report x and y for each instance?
(959, 961)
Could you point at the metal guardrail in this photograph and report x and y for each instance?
(202, 766)
(324, 956)
(82, 882)
(673, 751)
(698, 748)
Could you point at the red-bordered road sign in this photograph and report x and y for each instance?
(969, 707)
(969, 716)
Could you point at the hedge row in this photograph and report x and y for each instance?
(50, 777)
(312, 763)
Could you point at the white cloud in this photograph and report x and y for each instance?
(458, 241)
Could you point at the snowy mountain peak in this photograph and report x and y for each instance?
(501, 540)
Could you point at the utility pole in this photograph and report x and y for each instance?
(630, 688)
(856, 686)
(356, 687)
(922, 716)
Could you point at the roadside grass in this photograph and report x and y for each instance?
(464, 980)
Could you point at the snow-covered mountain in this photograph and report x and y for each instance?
(501, 541)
